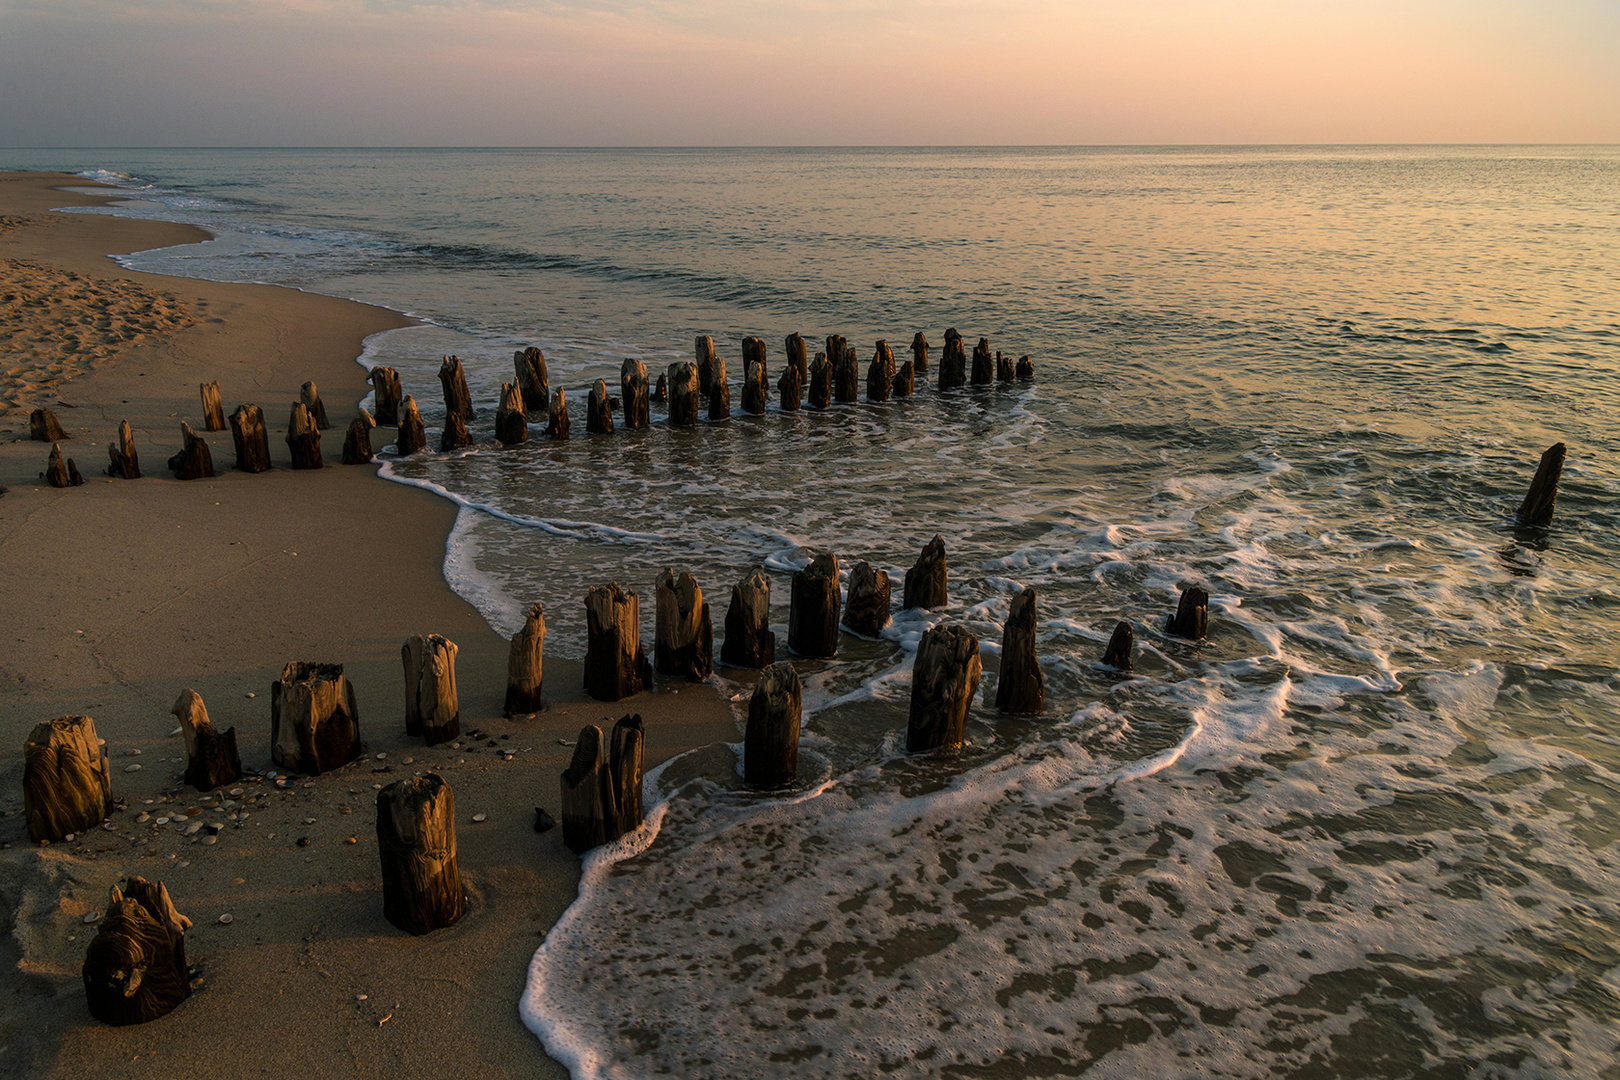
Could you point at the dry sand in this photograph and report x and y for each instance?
(119, 594)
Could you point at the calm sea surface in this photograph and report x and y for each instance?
(1367, 828)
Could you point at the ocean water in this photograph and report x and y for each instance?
(1366, 828)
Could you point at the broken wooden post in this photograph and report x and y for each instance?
(303, 438)
(385, 395)
(412, 437)
(789, 388)
(60, 473)
(251, 439)
(880, 373)
(1191, 619)
(557, 421)
(1537, 508)
(601, 788)
(357, 443)
(135, 969)
(314, 721)
(599, 410)
(416, 841)
(1020, 685)
(511, 417)
(453, 378)
(866, 610)
(926, 580)
(1004, 368)
(983, 364)
(771, 744)
(755, 393)
(661, 391)
(820, 382)
(813, 604)
(1025, 370)
(615, 663)
(67, 784)
(846, 377)
(533, 381)
(633, 394)
(213, 409)
(311, 399)
(1118, 653)
(683, 636)
(704, 356)
(749, 643)
(719, 390)
(122, 460)
(919, 353)
(211, 758)
(905, 380)
(683, 394)
(797, 357)
(432, 707)
(952, 362)
(944, 678)
(524, 661)
(455, 434)
(193, 462)
(44, 427)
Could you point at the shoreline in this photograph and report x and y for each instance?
(128, 591)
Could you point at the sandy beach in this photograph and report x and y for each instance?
(119, 594)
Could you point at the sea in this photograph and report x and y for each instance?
(1365, 828)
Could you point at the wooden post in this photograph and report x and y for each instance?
(880, 373)
(44, 427)
(719, 390)
(796, 356)
(135, 970)
(789, 388)
(314, 722)
(511, 418)
(416, 841)
(432, 707)
(1191, 619)
(1020, 686)
(385, 395)
(633, 394)
(905, 380)
(983, 364)
(952, 362)
(1118, 653)
(311, 400)
(213, 410)
(1004, 368)
(925, 581)
(251, 439)
(557, 421)
(1025, 371)
(944, 678)
(755, 391)
(67, 784)
(683, 394)
(357, 443)
(523, 665)
(211, 758)
(455, 434)
(533, 381)
(866, 611)
(452, 377)
(1537, 508)
(615, 663)
(846, 376)
(412, 438)
(771, 745)
(61, 473)
(683, 636)
(122, 460)
(820, 394)
(599, 410)
(661, 391)
(601, 788)
(704, 356)
(193, 462)
(836, 344)
(749, 643)
(813, 608)
(919, 353)
(626, 753)
(303, 438)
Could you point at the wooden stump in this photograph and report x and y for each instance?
(557, 421)
(453, 379)
(311, 400)
(813, 608)
(455, 434)
(601, 788)
(599, 410)
(919, 353)
(67, 784)
(314, 721)
(944, 679)
(1191, 619)
(704, 356)
(926, 580)
(866, 611)
(213, 410)
(683, 636)
(633, 393)
(797, 357)
(661, 391)
(615, 663)
(719, 391)
(755, 393)
(1025, 371)
(385, 395)
(357, 443)
(952, 362)
(1004, 368)
(905, 380)
(211, 758)
(74, 479)
(416, 841)
(251, 439)
(1118, 653)
(193, 462)
(880, 373)
(44, 427)
(771, 745)
(432, 707)
(836, 345)
(533, 381)
(820, 382)
(61, 473)
(846, 376)
(683, 394)
(524, 662)
(511, 418)
(1537, 508)
(1020, 686)
(983, 364)
(135, 970)
(412, 437)
(303, 438)
(749, 643)
(122, 460)
(789, 388)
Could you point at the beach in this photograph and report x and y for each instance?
(120, 594)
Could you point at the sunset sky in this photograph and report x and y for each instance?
(806, 72)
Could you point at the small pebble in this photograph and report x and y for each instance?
(382, 757)
(90, 917)
(309, 821)
(410, 761)
(161, 820)
(239, 881)
(173, 733)
(109, 826)
(345, 810)
(215, 828)
(142, 818)
(68, 838)
(251, 695)
(194, 828)
(479, 817)
(210, 839)
(133, 752)
(226, 919)
(235, 791)
(132, 768)
(376, 787)
(352, 840)
(359, 997)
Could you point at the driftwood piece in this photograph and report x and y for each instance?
(1118, 653)
(385, 395)
(813, 608)
(756, 392)
(511, 417)
(719, 391)
(820, 394)
(771, 744)
(790, 388)
(57, 472)
(455, 434)
(412, 437)
(984, 368)
(615, 663)
(1020, 685)
(251, 438)
(905, 380)
(1025, 371)
(211, 758)
(213, 409)
(44, 427)
(1004, 367)
(311, 400)
(303, 438)
(557, 420)
(122, 460)
(416, 841)
(314, 721)
(432, 707)
(1191, 619)
(880, 373)
(704, 356)
(683, 636)
(534, 382)
(67, 784)
(944, 678)
(919, 353)
(601, 788)
(926, 580)
(135, 970)
(750, 642)
(952, 362)
(661, 391)
(453, 380)
(524, 663)
(683, 394)
(357, 443)
(599, 410)
(797, 357)
(846, 376)
(193, 462)
(1539, 501)
(866, 609)
(633, 394)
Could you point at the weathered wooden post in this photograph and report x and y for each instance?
(1537, 508)
(314, 721)
(67, 784)
(683, 394)
(601, 788)
(357, 443)
(211, 758)
(925, 581)
(311, 399)
(905, 380)
(1004, 368)
(836, 344)
(303, 438)
(789, 388)
(880, 373)
(599, 410)
(213, 409)
(813, 608)
(534, 382)
(661, 391)
(61, 473)
(750, 642)
(412, 436)
(866, 611)
(511, 417)
(919, 353)
(416, 841)
(122, 460)
(385, 395)
(1191, 619)
(683, 636)
(633, 393)
(193, 462)
(704, 356)
(1020, 685)
(453, 378)
(557, 420)
(455, 434)
(846, 377)
(944, 678)
(432, 706)
(983, 364)
(797, 357)
(135, 970)
(1025, 370)
(952, 362)
(755, 391)
(44, 427)
(820, 382)
(719, 390)
(251, 439)
(524, 662)
(1118, 653)
(615, 663)
(771, 744)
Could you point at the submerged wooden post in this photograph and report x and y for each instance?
(357, 443)
(820, 382)
(1004, 368)
(790, 388)
(416, 841)
(919, 353)
(311, 399)
(661, 391)
(135, 969)
(211, 758)
(615, 663)
(866, 610)
(719, 390)
(846, 377)
(60, 472)
(880, 373)
(314, 722)
(432, 706)
(599, 410)
(524, 661)
(944, 678)
(771, 744)
(704, 356)
(750, 642)
(601, 788)
(385, 395)
(1191, 619)
(683, 394)
(213, 410)
(836, 346)
(251, 439)
(983, 364)
(755, 393)
(122, 460)
(453, 378)
(533, 381)
(511, 417)
(797, 357)
(926, 580)
(455, 434)
(412, 438)
(683, 636)
(813, 608)
(1539, 501)
(44, 427)
(303, 438)
(905, 380)
(1118, 653)
(557, 421)
(67, 784)
(633, 394)
(952, 362)
(193, 462)
(1020, 685)
(1025, 371)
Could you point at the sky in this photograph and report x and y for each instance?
(806, 72)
